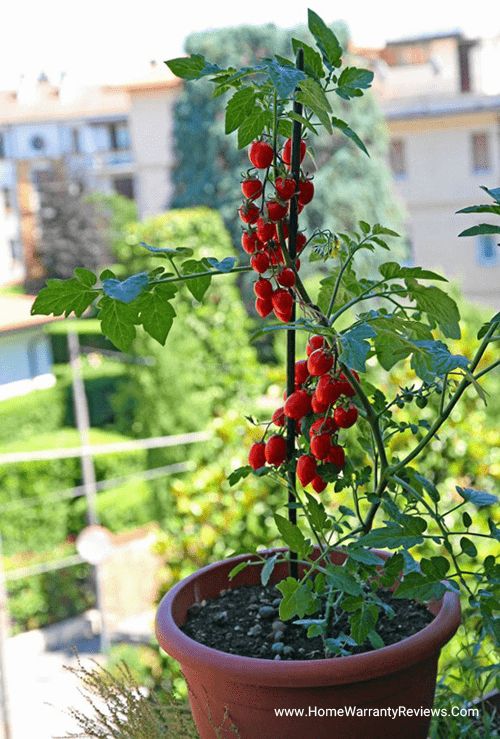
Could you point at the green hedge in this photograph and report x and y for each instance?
(41, 600)
(43, 411)
(46, 523)
(38, 412)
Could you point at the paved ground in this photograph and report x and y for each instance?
(40, 690)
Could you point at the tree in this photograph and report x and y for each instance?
(72, 233)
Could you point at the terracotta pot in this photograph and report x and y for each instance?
(226, 689)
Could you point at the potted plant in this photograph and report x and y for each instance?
(346, 624)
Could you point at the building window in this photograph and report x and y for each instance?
(397, 158)
(37, 143)
(40, 176)
(7, 198)
(480, 152)
(16, 251)
(124, 186)
(119, 135)
(75, 140)
(488, 253)
(464, 66)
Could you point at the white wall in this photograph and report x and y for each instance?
(25, 362)
(151, 128)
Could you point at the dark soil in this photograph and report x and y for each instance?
(245, 621)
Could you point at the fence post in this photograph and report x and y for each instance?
(4, 632)
(83, 425)
(88, 470)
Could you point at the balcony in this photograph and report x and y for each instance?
(114, 160)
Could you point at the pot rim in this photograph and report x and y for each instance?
(333, 670)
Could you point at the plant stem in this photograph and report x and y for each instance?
(195, 275)
(463, 385)
(437, 519)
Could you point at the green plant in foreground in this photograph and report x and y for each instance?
(335, 431)
(121, 708)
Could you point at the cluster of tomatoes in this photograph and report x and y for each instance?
(261, 234)
(320, 405)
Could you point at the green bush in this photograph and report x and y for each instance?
(37, 412)
(121, 508)
(49, 597)
(44, 523)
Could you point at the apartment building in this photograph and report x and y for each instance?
(51, 132)
(441, 98)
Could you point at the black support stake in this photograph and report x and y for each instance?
(290, 355)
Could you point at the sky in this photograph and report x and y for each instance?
(99, 41)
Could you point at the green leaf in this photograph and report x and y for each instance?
(337, 577)
(429, 487)
(156, 313)
(107, 274)
(375, 640)
(342, 126)
(285, 128)
(485, 327)
(493, 192)
(288, 605)
(284, 78)
(317, 513)
(355, 346)
(238, 108)
(303, 121)
(226, 265)
(434, 568)
(313, 96)
(393, 271)
(363, 622)
(482, 228)
(440, 308)
(434, 359)
(468, 547)
(495, 209)
(268, 568)
(292, 536)
(393, 568)
(394, 536)
(167, 253)
(313, 65)
(477, 497)
(85, 276)
(118, 322)
(352, 81)
(417, 586)
(383, 231)
(365, 556)
(238, 568)
(252, 126)
(199, 285)
(326, 41)
(189, 68)
(127, 290)
(466, 519)
(64, 297)
(494, 530)
(239, 474)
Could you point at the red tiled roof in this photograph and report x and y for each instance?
(15, 313)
